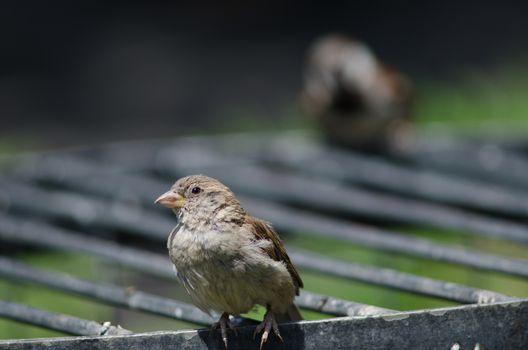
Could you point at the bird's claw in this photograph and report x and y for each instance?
(223, 323)
(268, 324)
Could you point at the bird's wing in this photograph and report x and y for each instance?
(276, 250)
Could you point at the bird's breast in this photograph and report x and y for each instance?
(189, 248)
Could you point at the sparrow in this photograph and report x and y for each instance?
(227, 260)
(357, 101)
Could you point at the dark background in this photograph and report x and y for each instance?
(83, 72)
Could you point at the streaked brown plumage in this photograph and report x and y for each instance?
(227, 260)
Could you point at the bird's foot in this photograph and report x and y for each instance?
(268, 323)
(223, 323)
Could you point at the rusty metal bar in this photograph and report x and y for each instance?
(58, 322)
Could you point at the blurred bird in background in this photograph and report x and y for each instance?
(357, 101)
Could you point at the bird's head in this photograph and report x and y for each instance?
(201, 196)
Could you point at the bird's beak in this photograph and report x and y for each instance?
(171, 200)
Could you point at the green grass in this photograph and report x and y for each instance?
(492, 102)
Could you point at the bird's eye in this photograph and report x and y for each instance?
(196, 190)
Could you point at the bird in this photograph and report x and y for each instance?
(357, 101)
(228, 260)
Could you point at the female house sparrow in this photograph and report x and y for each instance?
(227, 260)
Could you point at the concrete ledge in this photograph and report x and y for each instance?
(502, 325)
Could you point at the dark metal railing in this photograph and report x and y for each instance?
(56, 200)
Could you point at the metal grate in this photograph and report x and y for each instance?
(58, 201)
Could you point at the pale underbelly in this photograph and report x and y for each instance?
(237, 288)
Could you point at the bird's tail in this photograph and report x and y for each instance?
(292, 314)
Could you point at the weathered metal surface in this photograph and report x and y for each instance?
(475, 160)
(339, 307)
(324, 195)
(310, 223)
(146, 302)
(161, 266)
(495, 326)
(83, 210)
(107, 293)
(395, 279)
(304, 155)
(381, 173)
(43, 235)
(284, 217)
(59, 322)
(114, 187)
(278, 185)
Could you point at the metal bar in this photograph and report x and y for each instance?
(486, 161)
(321, 161)
(394, 279)
(58, 322)
(368, 274)
(284, 217)
(338, 307)
(43, 235)
(494, 326)
(259, 181)
(139, 189)
(482, 160)
(84, 210)
(310, 157)
(107, 293)
(321, 194)
(27, 232)
(309, 223)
